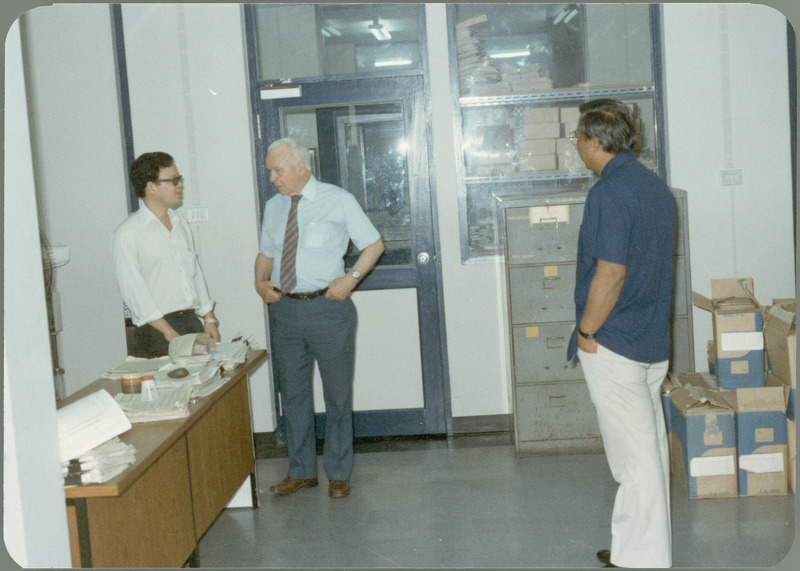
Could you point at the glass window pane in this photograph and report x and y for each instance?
(320, 40)
(362, 148)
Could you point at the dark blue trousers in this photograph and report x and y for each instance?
(322, 330)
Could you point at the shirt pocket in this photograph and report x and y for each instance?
(318, 234)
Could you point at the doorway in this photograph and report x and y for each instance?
(369, 136)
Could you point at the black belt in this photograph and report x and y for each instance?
(309, 295)
(181, 313)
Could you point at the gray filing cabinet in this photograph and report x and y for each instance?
(552, 410)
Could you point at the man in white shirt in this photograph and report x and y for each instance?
(155, 262)
(299, 273)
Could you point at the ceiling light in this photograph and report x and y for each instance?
(379, 31)
(560, 16)
(511, 54)
(332, 29)
(325, 32)
(571, 15)
(392, 62)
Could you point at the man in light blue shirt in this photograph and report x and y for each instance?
(312, 316)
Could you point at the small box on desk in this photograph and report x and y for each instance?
(738, 333)
(703, 442)
(761, 441)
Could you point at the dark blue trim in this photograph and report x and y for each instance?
(382, 423)
(118, 34)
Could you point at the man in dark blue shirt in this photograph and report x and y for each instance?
(622, 338)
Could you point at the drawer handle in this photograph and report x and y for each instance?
(551, 282)
(558, 401)
(553, 221)
(555, 342)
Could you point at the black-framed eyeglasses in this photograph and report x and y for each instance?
(174, 180)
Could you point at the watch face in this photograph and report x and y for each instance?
(356, 274)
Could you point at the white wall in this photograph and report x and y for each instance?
(739, 120)
(188, 84)
(80, 175)
(34, 516)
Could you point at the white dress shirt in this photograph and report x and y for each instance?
(328, 217)
(157, 269)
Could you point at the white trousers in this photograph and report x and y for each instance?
(627, 397)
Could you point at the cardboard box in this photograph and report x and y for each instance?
(761, 441)
(570, 115)
(701, 380)
(780, 334)
(703, 442)
(711, 351)
(527, 147)
(541, 115)
(738, 332)
(541, 130)
(537, 163)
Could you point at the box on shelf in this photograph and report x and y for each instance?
(703, 442)
(530, 147)
(541, 130)
(541, 115)
(738, 332)
(570, 114)
(537, 163)
(761, 441)
(781, 337)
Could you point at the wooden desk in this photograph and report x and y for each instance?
(185, 473)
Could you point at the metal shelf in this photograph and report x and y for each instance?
(556, 95)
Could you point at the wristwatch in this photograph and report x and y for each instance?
(589, 335)
(356, 274)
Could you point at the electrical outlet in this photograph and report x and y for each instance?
(197, 214)
(731, 177)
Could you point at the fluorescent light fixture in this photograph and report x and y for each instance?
(392, 62)
(571, 15)
(379, 31)
(332, 29)
(325, 32)
(560, 16)
(510, 54)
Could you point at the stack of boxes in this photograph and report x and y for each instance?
(545, 144)
(729, 429)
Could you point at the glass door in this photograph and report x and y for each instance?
(369, 136)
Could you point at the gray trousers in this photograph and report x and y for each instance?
(305, 330)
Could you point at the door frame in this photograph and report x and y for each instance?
(436, 415)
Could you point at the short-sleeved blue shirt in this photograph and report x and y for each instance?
(629, 219)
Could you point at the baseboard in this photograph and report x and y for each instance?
(266, 444)
(483, 424)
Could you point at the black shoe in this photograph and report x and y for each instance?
(604, 556)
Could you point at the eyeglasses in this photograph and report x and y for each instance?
(175, 180)
(573, 137)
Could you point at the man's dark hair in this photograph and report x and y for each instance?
(146, 168)
(612, 123)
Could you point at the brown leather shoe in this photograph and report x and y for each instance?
(291, 485)
(338, 488)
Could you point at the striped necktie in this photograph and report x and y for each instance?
(289, 254)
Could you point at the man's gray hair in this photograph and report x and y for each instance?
(298, 151)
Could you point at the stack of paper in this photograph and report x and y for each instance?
(99, 464)
(192, 348)
(137, 365)
(89, 422)
(170, 403)
(230, 355)
(476, 72)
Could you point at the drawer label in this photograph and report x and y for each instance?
(548, 214)
(531, 332)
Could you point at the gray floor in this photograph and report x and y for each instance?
(466, 502)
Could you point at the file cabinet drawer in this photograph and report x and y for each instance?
(540, 354)
(556, 411)
(546, 233)
(542, 293)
